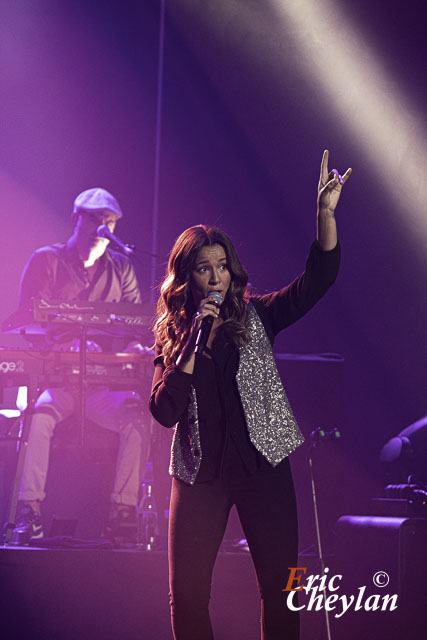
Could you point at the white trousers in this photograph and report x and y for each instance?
(104, 407)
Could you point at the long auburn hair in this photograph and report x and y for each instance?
(175, 307)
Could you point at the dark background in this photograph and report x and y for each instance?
(245, 118)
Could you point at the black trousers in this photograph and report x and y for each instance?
(266, 507)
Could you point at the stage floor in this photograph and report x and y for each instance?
(104, 594)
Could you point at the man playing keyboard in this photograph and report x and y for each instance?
(82, 268)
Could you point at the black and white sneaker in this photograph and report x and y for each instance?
(28, 528)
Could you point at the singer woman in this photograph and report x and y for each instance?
(235, 428)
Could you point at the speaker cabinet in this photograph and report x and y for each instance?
(387, 555)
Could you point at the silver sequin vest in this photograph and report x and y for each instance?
(271, 424)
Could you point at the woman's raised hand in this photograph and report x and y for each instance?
(330, 186)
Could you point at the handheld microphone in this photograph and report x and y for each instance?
(206, 325)
(104, 232)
